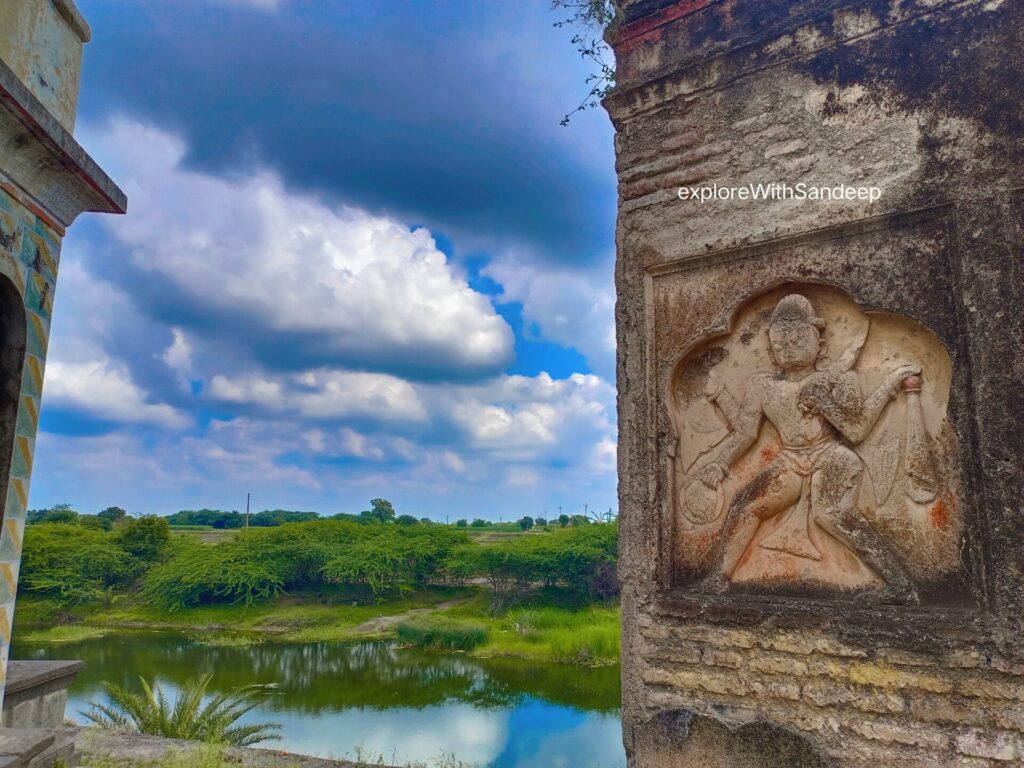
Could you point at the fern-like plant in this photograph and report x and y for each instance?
(188, 718)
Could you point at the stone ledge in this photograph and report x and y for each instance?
(45, 161)
(22, 675)
(75, 20)
(131, 750)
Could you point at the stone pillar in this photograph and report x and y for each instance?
(46, 180)
(819, 381)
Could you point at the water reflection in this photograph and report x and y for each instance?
(403, 704)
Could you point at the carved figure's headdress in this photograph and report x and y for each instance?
(795, 309)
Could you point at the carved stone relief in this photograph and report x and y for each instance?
(814, 454)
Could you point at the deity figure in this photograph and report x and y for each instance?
(814, 480)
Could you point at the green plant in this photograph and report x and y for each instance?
(461, 637)
(593, 20)
(215, 722)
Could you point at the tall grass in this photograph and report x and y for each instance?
(588, 636)
(424, 634)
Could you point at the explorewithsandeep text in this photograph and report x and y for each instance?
(780, 190)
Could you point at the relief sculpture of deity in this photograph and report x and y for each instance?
(815, 506)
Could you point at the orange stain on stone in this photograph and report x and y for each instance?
(939, 514)
(768, 453)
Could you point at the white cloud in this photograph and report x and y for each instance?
(324, 394)
(105, 390)
(363, 287)
(179, 355)
(534, 416)
(315, 434)
(574, 308)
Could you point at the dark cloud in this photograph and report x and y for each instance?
(445, 112)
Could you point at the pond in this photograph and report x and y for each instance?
(379, 700)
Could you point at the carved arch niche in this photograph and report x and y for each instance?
(870, 511)
(12, 360)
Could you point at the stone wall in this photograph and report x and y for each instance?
(41, 41)
(922, 100)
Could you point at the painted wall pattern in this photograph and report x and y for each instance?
(29, 251)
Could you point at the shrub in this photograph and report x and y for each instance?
(392, 558)
(72, 564)
(461, 564)
(147, 538)
(234, 571)
(580, 559)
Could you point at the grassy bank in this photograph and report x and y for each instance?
(540, 595)
(455, 618)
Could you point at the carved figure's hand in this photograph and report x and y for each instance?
(905, 371)
(713, 386)
(712, 475)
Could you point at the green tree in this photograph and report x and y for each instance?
(540, 522)
(525, 522)
(479, 523)
(381, 510)
(112, 515)
(462, 523)
(58, 513)
(563, 520)
(407, 520)
(95, 522)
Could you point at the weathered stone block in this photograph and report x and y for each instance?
(818, 453)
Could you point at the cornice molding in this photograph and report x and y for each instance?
(44, 161)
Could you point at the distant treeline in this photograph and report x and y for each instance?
(73, 563)
(215, 518)
(381, 511)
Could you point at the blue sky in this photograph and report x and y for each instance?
(362, 258)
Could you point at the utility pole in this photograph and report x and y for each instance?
(247, 509)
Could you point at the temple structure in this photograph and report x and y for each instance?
(46, 181)
(820, 237)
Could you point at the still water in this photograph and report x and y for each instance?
(337, 700)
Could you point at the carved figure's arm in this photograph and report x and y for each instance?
(853, 417)
(746, 423)
(729, 407)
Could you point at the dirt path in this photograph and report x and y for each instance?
(384, 623)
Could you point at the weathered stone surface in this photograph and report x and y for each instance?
(893, 605)
(41, 41)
